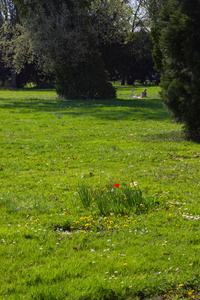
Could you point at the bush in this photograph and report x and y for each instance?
(87, 80)
(179, 42)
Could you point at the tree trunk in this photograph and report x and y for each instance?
(13, 79)
(123, 80)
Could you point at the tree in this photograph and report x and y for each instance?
(8, 12)
(179, 43)
(63, 41)
(154, 8)
(123, 39)
(8, 19)
(111, 20)
(112, 23)
(65, 36)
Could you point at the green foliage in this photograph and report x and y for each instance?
(156, 52)
(117, 199)
(154, 8)
(23, 6)
(62, 38)
(85, 195)
(88, 79)
(179, 40)
(138, 48)
(111, 20)
(63, 42)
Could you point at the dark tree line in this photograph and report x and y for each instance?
(76, 41)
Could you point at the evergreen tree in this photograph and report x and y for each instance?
(179, 24)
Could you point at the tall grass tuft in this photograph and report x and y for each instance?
(117, 199)
(85, 195)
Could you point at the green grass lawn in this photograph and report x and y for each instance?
(70, 172)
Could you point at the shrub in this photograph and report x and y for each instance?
(179, 42)
(86, 80)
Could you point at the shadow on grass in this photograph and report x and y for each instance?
(120, 109)
(170, 136)
(109, 109)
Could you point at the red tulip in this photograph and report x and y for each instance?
(116, 185)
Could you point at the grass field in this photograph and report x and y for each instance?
(99, 199)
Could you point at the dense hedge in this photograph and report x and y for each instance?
(86, 80)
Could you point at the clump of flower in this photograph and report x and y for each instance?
(128, 199)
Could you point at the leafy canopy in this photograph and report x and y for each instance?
(179, 43)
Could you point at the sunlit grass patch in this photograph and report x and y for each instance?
(75, 224)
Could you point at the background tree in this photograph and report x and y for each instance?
(154, 7)
(179, 42)
(17, 59)
(66, 37)
(112, 23)
(139, 48)
(63, 41)
(123, 38)
(8, 19)
(4, 72)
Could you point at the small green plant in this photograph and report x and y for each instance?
(85, 195)
(116, 198)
